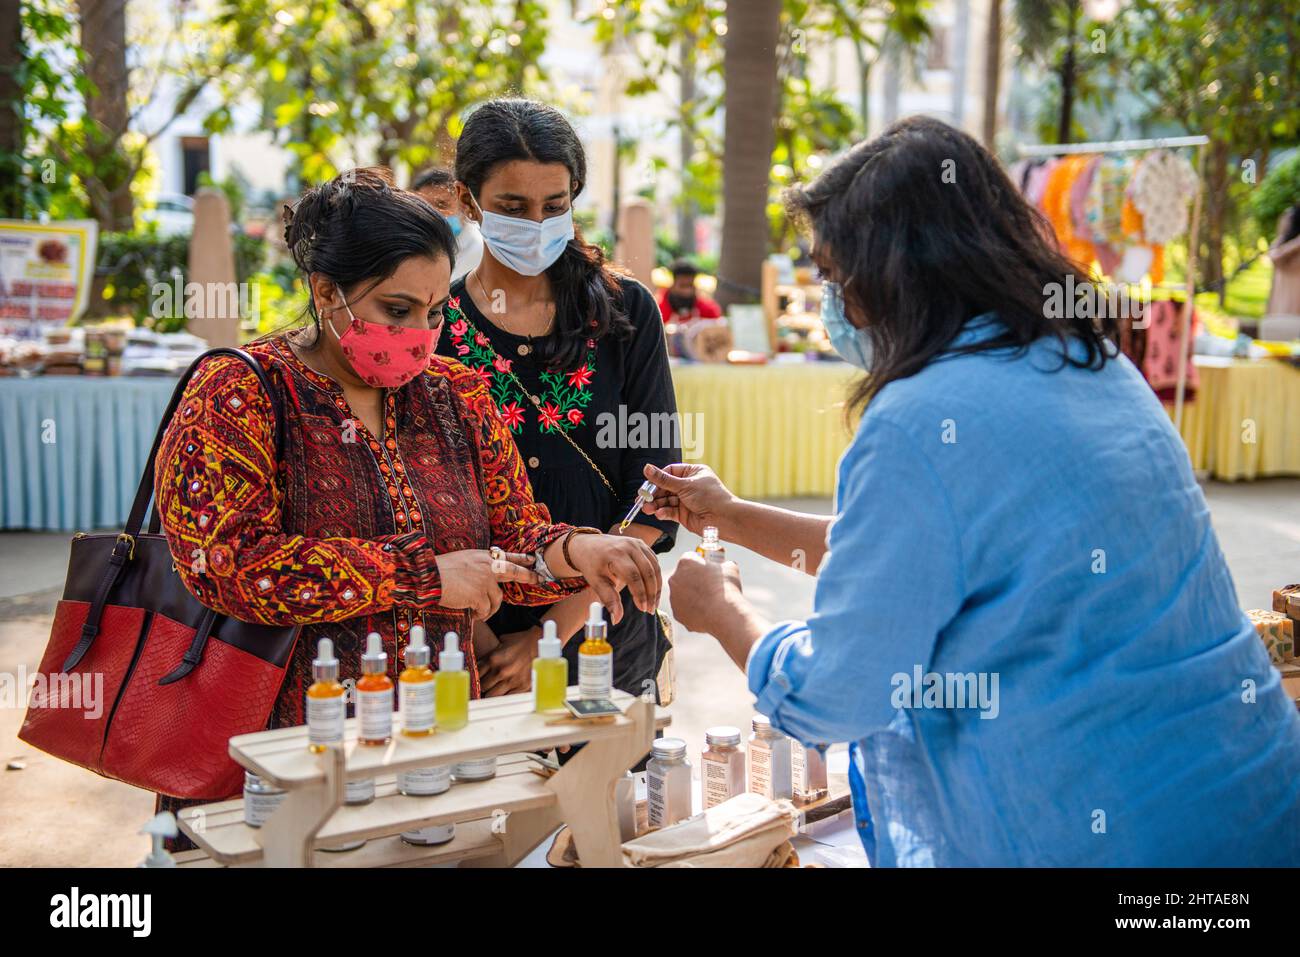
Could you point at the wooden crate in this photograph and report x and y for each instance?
(498, 821)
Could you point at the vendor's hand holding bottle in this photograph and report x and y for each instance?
(705, 594)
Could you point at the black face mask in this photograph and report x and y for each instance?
(678, 302)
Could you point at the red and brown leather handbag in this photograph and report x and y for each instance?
(139, 681)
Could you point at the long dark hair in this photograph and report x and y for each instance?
(925, 231)
(359, 228)
(588, 295)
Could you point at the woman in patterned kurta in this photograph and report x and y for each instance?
(349, 531)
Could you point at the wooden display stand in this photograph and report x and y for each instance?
(770, 294)
(498, 821)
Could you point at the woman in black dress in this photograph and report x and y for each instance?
(574, 356)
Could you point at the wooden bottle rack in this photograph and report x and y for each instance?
(498, 821)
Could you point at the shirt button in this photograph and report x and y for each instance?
(523, 349)
(533, 461)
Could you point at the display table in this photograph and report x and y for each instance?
(498, 821)
(777, 431)
(72, 448)
(1245, 421)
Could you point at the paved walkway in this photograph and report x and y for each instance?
(54, 814)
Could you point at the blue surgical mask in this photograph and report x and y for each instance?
(453, 222)
(852, 344)
(527, 247)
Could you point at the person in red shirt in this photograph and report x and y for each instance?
(680, 302)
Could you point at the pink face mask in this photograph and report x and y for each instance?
(384, 356)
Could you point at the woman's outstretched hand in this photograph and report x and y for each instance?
(690, 495)
(612, 562)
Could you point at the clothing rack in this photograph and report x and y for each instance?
(1130, 146)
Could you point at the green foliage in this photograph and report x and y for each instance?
(134, 262)
(332, 72)
(811, 123)
(1278, 191)
(30, 180)
(280, 305)
(1045, 35)
(1228, 69)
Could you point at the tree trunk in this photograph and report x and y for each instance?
(1215, 205)
(992, 72)
(864, 87)
(686, 145)
(960, 52)
(749, 67)
(1067, 79)
(103, 39)
(12, 132)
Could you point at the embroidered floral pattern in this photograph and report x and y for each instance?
(562, 399)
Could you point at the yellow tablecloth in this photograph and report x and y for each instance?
(774, 431)
(1245, 421)
(778, 431)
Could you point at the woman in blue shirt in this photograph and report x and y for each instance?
(1023, 623)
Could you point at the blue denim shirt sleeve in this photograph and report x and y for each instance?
(891, 581)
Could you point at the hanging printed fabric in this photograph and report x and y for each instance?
(1162, 186)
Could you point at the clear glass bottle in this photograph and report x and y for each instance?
(625, 806)
(722, 766)
(475, 769)
(345, 846)
(771, 773)
(809, 773)
(668, 782)
(424, 782)
(260, 799)
(433, 834)
(710, 548)
(359, 791)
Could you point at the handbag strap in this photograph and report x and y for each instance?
(124, 547)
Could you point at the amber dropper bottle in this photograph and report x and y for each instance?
(416, 683)
(326, 700)
(374, 695)
(595, 657)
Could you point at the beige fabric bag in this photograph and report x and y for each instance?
(742, 832)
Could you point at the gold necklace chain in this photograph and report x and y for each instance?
(488, 299)
(537, 404)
